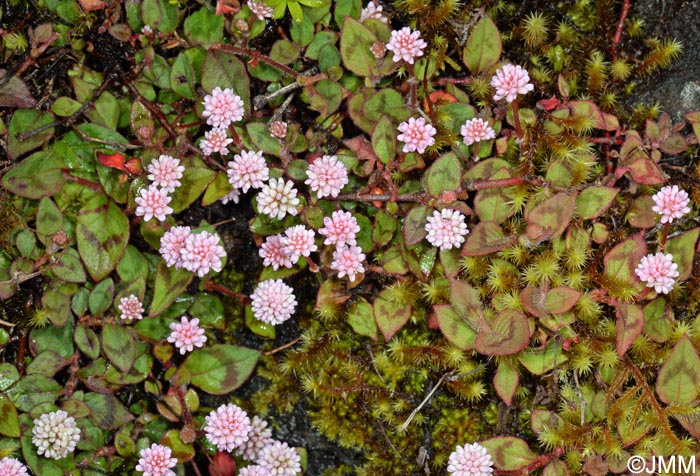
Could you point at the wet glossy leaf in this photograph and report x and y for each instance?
(384, 228)
(217, 188)
(195, 179)
(225, 70)
(390, 316)
(105, 111)
(682, 247)
(262, 139)
(454, 328)
(9, 421)
(509, 453)
(37, 176)
(384, 140)
(592, 202)
(8, 376)
(170, 282)
(355, 43)
(361, 319)
(483, 48)
(505, 382)
(101, 297)
(118, 346)
(33, 390)
(630, 324)
(509, 333)
(106, 411)
(182, 77)
(204, 26)
(221, 368)
(87, 341)
(160, 15)
(443, 175)
(180, 450)
(25, 120)
(677, 383)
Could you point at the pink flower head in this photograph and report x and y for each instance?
(153, 202)
(233, 196)
(222, 107)
(131, 308)
(12, 467)
(280, 460)
(260, 10)
(446, 229)
(476, 130)
(202, 253)
(326, 176)
(172, 243)
(658, 271)
(165, 172)
(297, 242)
(227, 427)
(278, 198)
(273, 302)
(278, 129)
(156, 461)
(340, 229)
(254, 470)
(510, 81)
(406, 44)
(470, 460)
(186, 335)
(671, 203)
(372, 10)
(215, 140)
(248, 170)
(347, 260)
(272, 253)
(260, 437)
(416, 135)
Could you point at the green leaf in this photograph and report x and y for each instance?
(160, 14)
(444, 175)
(57, 305)
(541, 361)
(550, 218)
(390, 315)
(65, 106)
(509, 333)
(102, 233)
(361, 319)
(630, 324)
(505, 382)
(262, 139)
(677, 383)
(483, 48)
(509, 453)
(561, 299)
(46, 363)
(101, 297)
(37, 176)
(105, 111)
(133, 265)
(467, 303)
(384, 140)
(414, 224)
(592, 202)
(494, 204)
(355, 43)
(118, 346)
(325, 97)
(9, 421)
(182, 77)
(87, 341)
(620, 263)
(658, 321)
(68, 267)
(204, 26)
(195, 179)
(169, 284)
(25, 120)
(454, 328)
(107, 412)
(180, 450)
(682, 247)
(221, 368)
(217, 188)
(485, 238)
(49, 220)
(8, 376)
(225, 70)
(284, 51)
(34, 390)
(384, 228)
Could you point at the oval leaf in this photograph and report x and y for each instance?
(509, 453)
(630, 323)
(454, 328)
(483, 48)
(390, 316)
(509, 333)
(221, 368)
(678, 379)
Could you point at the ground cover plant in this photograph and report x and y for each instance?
(304, 236)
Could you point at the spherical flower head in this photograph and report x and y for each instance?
(227, 427)
(260, 437)
(416, 135)
(165, 172)
(279, 459)
(233, 196)
(215, 140)
(260, 10)
(172, 243)
(278, 198)
(470, 460)
(131, 308)
(273, 302)
(340, 229)
(254, 470)
(202, 253)
(298, 241)
(55, 434)
(372, 10)
(658, 271)
(156, 461)
(347, 260)
(671, 203)
(406, 45)
(247, 170)
(510, 81)
(272, 253)
(327, 176)
(186, 335)
(153, 202)
(476, 130)
(222, 107)
(12, 467)
(446, 229)
(278, 129)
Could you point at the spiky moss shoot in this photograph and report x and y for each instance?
(502, 276)
(575, 257)
(643, 350)
(620, 69)
(39, 319)
(329, 311)
(544, 268)
(343, 423)
(453, 427)
(8, 447)
(681, 328)
(582, 360)
(509, 300)
(607, 357)
(404, 292)
(413, 349)
(16, 41)
(567, 34)
(480, 88)
(535, 29)
(576, 280)
(453, 357)
(541, 74)
(429, 12)
(517, 197)
(662, 53)
(516, 254)
(596, 71)
(436, 291)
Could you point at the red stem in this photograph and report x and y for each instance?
(620, 24)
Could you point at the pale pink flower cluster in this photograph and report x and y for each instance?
(327, 176)
(340, 229)
(247, 170)
(470, 460)
(510, 81)
(273, 254)
(279, 459)
(153, 202)
(228, 427)
(658, 271)
(165, 172)
(233, 196)
(131, 308)
(172, 243)
(298, 241)
(416, 135)
(476, 130)
(215, 140)
(278, 198)
(196, 252)
(260, 436)
(446, 229)
(278, 129)
(55, 434)
(260, 10)
(156, 461)
(671, 203)
(254, 470)
(375, 11)
(347, 260)
(186, 334)
(222, 107)
(12, 467)
(406, 44)
(273, 302)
